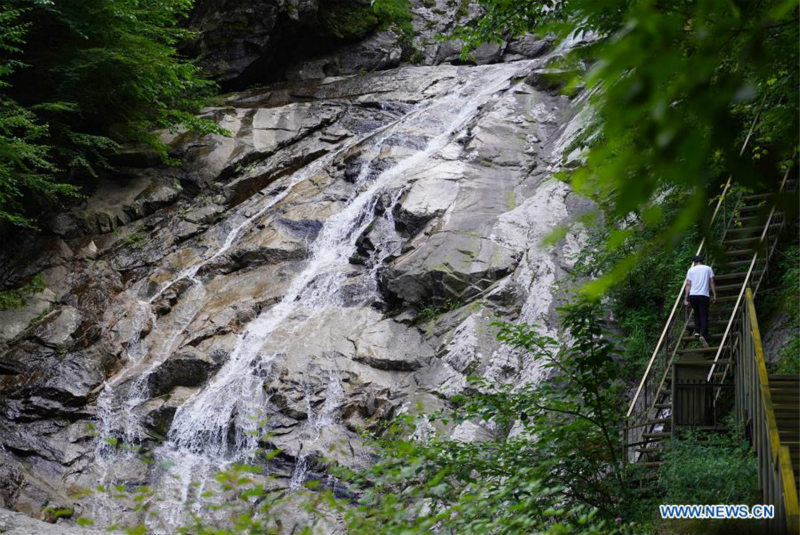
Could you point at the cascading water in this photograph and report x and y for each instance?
(201, 424)
(219, 423)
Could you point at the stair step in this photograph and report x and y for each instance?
(757, 218)
(757, 196)
(788, 423)
(732, 291)
(646, 423)
(707, 363)
(737, 241)
(734, 275)
(744, 262)
(708, 427)
(788, 378)
(720, 315)
(751, 207)
(754, 228)
(710, 349)
(727, 298)
(723, 287)
(660, 434)
(787, 390)
(782, 387)
(738, 252)
(712, 336)
(783, 390)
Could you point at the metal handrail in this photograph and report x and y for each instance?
(755, 408)
(678, 298)
(746, 282)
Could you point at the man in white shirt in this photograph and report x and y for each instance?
(699, 279)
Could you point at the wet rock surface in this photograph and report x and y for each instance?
(338, 259)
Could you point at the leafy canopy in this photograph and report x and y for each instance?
(79, 77)
(674, 88)
(25, 165)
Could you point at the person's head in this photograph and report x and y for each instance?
(698, 259)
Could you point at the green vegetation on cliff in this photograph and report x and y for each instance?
(354, 19)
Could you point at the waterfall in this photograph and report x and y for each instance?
(201, 424)
(218, 425)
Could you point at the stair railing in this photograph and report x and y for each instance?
(763, 251)
(754, 407)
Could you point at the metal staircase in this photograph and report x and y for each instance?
(686, 385)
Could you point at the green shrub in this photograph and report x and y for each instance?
(789, 356)
(709, 468)
(397, 12)
(347, 20)
(17, 298)
(26, 169)
(433, 310)
(641, 298)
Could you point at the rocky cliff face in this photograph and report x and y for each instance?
(338, 259)
(242, 42)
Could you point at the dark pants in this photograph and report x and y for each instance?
(700, 306)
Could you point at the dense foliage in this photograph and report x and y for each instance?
(674, 91)
(710, 468)
(25, 165)
(674, 88)
(77, 78)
